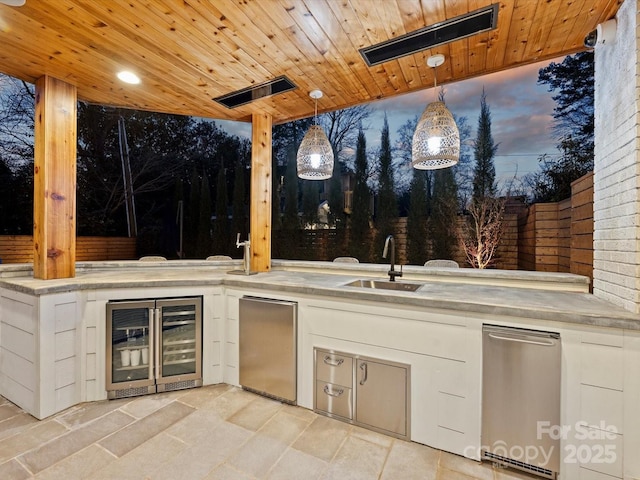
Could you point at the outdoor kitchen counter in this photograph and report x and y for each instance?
(53, 343)
(534, 295)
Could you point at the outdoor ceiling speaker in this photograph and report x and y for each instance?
(603, 34)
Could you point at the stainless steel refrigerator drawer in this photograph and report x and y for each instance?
(334, 399)
(334, 368)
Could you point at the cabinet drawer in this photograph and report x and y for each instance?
(334, 368)
(334, 399)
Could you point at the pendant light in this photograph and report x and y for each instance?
(315, 155)
(436, 141)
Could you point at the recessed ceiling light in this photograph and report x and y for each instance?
(129, 77)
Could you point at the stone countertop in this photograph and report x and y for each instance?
(455, 295)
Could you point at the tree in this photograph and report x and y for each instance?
(285, 246)
(404, 173)
(310, 201)
(360, 211)
(174, 229)
(387, 209)
(342, 127)
(17, 106)
(480, 236)
(552, 181)
(573, 80)
(203, 235)
(463, 171)
(484, 150)
(16, 199)
(286, 141)
(573, 115)
(192, 215)
(417, 219)
(290, 220)
(158, 150)
(443, 226)
(277, 175)
(221, 234)
(335, 197)
(239, 219)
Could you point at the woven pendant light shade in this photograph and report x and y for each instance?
(436, 141)
(315, 155)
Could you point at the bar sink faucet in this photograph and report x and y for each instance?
(393, 273)
(246, 259)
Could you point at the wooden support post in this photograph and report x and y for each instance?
(260, 221)
(54, 201)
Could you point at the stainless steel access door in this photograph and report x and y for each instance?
(520, 387)
(268, 347)
(382, 396)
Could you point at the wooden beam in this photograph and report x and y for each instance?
(54, 202)
(260, 221)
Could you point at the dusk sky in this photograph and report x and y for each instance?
(520, 112)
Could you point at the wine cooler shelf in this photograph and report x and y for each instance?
(153, 345)
(173, 352)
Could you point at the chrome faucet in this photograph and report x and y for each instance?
(246, 259)
(393, 273)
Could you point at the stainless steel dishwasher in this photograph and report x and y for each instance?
(268, 347)
(521, 398)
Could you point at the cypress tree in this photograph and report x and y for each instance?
(417, 250)
(334, 197)
(310, 198)
(287, 244)
(387, 209)
(276, 217)
(360, 211)
(178, 197)
(221, 234)
(444, 214)
(484, 175)
(192, 215)
(239, 219)
(203, 242)
(290, 219)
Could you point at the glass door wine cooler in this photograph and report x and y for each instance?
(153, 346)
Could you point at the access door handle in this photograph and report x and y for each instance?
(363, 368)
(334, 363)
(331, 393)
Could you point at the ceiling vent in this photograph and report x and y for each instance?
(480, 20)
(246, 95)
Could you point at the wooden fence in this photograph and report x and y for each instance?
(19, 248)
(558, 236)
(552, 237)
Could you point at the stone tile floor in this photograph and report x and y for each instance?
(216, 432)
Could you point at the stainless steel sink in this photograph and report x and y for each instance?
(384, 285)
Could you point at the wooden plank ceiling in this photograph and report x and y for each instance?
(190, 51)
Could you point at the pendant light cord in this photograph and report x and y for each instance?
(435, 84)
(315, 115)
